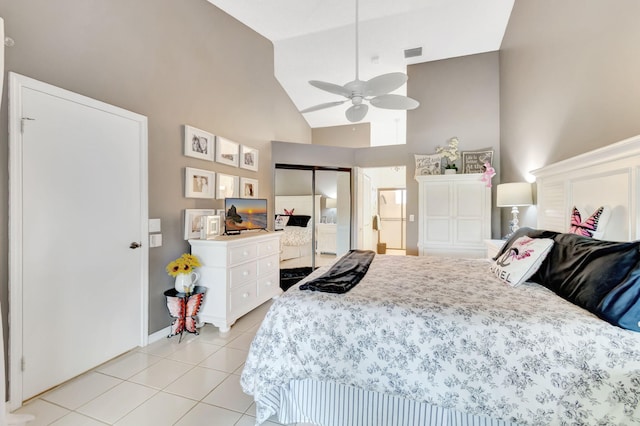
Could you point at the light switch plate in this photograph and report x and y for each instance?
(154, 225)
(155, 240)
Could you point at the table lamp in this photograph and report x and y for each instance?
(514, 195)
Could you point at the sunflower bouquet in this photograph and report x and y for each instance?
(185, 264)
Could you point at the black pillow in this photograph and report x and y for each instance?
(298, 220)
(600, 276)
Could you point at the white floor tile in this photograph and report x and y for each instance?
(45, 412)
(75, 419)
(128, 364)
(161, 384)
(194, 352)
(81, 390)
(196, 383)
(160, 374)
(162, 409)
(117, 402)
(163, 348)
(251, 421)
(208, 415)
(242, 342)
(229, 395)
(226, 359)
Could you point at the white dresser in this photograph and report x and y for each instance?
(241, 272)
(454, 215)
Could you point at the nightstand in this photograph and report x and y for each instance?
(493, 247)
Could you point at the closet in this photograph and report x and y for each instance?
(454, 215)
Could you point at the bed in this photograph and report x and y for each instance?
(296, 238)
(442, 341)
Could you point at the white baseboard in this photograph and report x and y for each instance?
(159, 335)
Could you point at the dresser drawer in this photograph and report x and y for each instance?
(243, 298)
(268, 264)
(240, 274)
(269, 286)
(268, 247)
(242, 253)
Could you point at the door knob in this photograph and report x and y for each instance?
(135, 245)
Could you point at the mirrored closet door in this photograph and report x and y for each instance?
(315, 208)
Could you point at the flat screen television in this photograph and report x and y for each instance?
(243, 214)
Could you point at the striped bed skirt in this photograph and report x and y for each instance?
(332, 404)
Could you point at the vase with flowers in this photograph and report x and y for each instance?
(183, 269)
(450, 152)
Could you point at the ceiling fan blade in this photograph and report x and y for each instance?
(384, 84)
(331, 88)
(394, 102)
(323, 106)
(356, 113)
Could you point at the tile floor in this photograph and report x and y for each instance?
(195, 382)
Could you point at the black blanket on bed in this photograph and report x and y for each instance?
(344, 274)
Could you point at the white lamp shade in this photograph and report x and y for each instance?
(514, 194)
(331, 203)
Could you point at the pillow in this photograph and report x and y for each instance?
(525, 232)
(584, 271)
(298, 220)
(621, 306)
(288, 212)
(280, 222)
(521, 259)
(593, 226)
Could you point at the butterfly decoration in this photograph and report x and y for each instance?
(588, 227)
(184, 310)
(288, 212)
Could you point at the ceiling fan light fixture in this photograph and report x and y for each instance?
(376, 91)
(356, 113)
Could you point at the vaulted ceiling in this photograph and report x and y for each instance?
(315, 40)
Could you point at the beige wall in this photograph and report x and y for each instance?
(458, 97)
(569, 82)
(355, 135)
(177, 62)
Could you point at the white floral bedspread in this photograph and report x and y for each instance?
(446, 332)
(296, 235)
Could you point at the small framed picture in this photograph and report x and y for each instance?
(210, 227)
(199, 183)
(428, 164)
(198, 143)
(248, 188)
(221, 213)
(193, 222)
(248, 158)
(473, 161)
(227, 152)
(228, 186)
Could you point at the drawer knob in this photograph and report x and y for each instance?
(245, 253)
(245, 295)
(245, 273)
(268, 283)
(269, 264)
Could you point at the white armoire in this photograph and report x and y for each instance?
(454, 215)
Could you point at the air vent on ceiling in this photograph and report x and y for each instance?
(412, 53)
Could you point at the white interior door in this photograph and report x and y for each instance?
(80, 191)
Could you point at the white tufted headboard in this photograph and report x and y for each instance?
(606, 176)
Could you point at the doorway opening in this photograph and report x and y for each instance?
(389, 201)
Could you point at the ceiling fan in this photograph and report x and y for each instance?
(375, 91)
